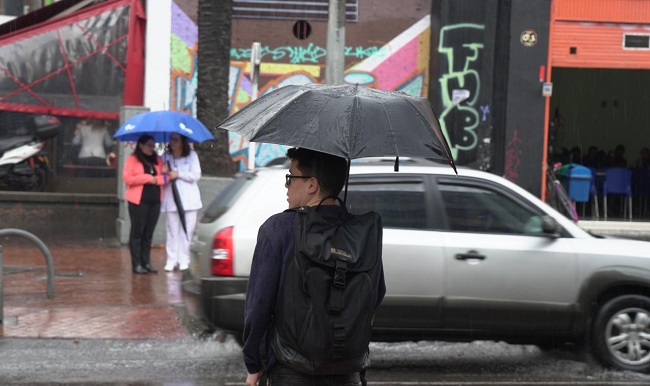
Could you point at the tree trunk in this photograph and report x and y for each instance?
(215, 30)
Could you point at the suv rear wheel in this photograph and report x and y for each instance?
(621, 334)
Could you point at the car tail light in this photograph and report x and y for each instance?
(222, 253)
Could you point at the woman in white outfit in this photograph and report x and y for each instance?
(181, 159)
(94, 139)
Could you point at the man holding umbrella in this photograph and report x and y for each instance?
(344, 121)
(181, 201)
(315, 179)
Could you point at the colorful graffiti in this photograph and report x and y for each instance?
(298, 55)
(401, 64)
(461, 45)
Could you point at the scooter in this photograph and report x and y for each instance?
(23, 162)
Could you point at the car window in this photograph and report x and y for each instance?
(484, 210)
(400, 204)
(226, 198)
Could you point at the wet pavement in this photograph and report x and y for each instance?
(96, 295)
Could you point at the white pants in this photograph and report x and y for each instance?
(178, 243)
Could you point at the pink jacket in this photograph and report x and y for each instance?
(135, 178)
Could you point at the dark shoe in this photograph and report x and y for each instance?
(139, 269)
(150, 269)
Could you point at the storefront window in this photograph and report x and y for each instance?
(82, 156)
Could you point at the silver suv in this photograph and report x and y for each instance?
(466, 257)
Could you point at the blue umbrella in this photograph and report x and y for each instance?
(160, 124)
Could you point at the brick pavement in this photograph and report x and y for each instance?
(96, 295)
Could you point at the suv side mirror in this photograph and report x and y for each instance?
(550, 227)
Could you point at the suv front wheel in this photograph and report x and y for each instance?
(621, 334)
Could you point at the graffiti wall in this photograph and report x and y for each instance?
(463, 96)
(396, 59)
(184, 46)
(524, 133)
(483, 83)
(400, 64)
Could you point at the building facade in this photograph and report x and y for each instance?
(516, 84)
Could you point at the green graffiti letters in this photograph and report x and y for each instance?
(460, 46)
(300, 55)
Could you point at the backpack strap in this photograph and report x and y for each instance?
(339, 340)
(342, 207)
(335, 303)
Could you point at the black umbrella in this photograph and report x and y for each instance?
(347, 121)
(178, 201)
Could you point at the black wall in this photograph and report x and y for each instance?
(476, 49)
(463, 62)
(524, 130)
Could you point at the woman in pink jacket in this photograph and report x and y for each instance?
(144, 174)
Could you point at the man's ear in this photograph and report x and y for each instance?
(312, 187)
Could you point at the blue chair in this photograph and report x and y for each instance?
(618, 181)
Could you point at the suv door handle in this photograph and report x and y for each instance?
(470, 255)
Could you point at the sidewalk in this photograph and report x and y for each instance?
(96, 295)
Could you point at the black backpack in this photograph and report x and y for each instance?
(326, 305)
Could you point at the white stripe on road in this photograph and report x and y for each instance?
(540, 383)
(498, 383)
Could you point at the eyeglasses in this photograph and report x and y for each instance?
(288, 178)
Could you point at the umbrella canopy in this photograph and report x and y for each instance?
(346, 121)
(159, 124)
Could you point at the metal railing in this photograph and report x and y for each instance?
(48, 260)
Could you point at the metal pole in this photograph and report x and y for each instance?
(256, 59)
(335, 60)
(48, 256)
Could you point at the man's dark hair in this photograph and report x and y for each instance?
(329, 170)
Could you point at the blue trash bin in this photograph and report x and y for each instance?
(576, 179)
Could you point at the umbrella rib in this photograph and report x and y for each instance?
(316, 115)
(442, 140)
(297, 99)
(276, 116)
(327, 102)
(392, 132)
